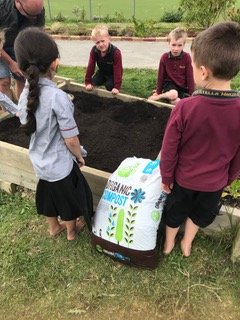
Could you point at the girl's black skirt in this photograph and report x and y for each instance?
(68, 198)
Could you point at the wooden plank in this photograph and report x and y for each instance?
(236, 247)
(97, 179)
(22, 178)
(15, 156)
(8, 187)
(73, 86)
(4, 115)
(16, 167)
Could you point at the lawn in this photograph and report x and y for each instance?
(136, 82)
(144, 10)
(152, 10)
(53, 279)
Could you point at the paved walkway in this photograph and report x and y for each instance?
(136, 54)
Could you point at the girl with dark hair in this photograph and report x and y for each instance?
(46, 114)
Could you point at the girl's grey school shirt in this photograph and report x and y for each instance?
(50, 157)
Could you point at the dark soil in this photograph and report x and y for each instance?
(110, 129)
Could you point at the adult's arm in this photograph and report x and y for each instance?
(13, 66)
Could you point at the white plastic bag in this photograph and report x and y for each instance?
(130, 209)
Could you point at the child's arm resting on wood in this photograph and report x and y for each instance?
(73, 145)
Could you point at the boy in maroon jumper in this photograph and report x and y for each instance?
(175, 75)
(201, 146)
(108, 59)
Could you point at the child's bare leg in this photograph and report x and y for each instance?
(71, 229)
(170, 239)
(191, 230)
(170, 95)
(80, 224)
(54, 226)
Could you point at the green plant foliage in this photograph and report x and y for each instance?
(79, 13)
(204, 13)
(233, 14)
(234, 189)
(54, 279)
(172, 16)
(143, 28)
(59, 17)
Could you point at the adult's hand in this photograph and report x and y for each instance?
(13, 66)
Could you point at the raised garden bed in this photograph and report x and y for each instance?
(111, 129)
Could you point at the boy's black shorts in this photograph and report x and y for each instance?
(169, 85)
(201, 207)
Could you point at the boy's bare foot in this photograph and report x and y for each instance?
(186, 249)
(57, 231)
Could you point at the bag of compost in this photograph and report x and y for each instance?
(129, 212)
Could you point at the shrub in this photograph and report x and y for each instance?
(172, 16)
(58, 27)
(79, 13)
(143, 29)
(204, 13)
(59, 17)
(233, 14)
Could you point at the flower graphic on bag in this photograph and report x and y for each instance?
(137, 195)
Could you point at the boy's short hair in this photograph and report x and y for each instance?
(177, 33)
(218, 48)
(100, 30)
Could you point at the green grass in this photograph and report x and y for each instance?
(137, 82)
(53, 279)
(152, 10)
(144, 10)
(48, 279)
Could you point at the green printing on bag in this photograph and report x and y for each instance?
(128, 170)
(129, 231)
(119, 226)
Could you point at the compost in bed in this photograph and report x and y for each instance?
(110, 129)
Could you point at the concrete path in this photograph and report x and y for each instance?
(136, 54)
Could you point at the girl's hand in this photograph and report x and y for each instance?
(167, 188)
(80, 161)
